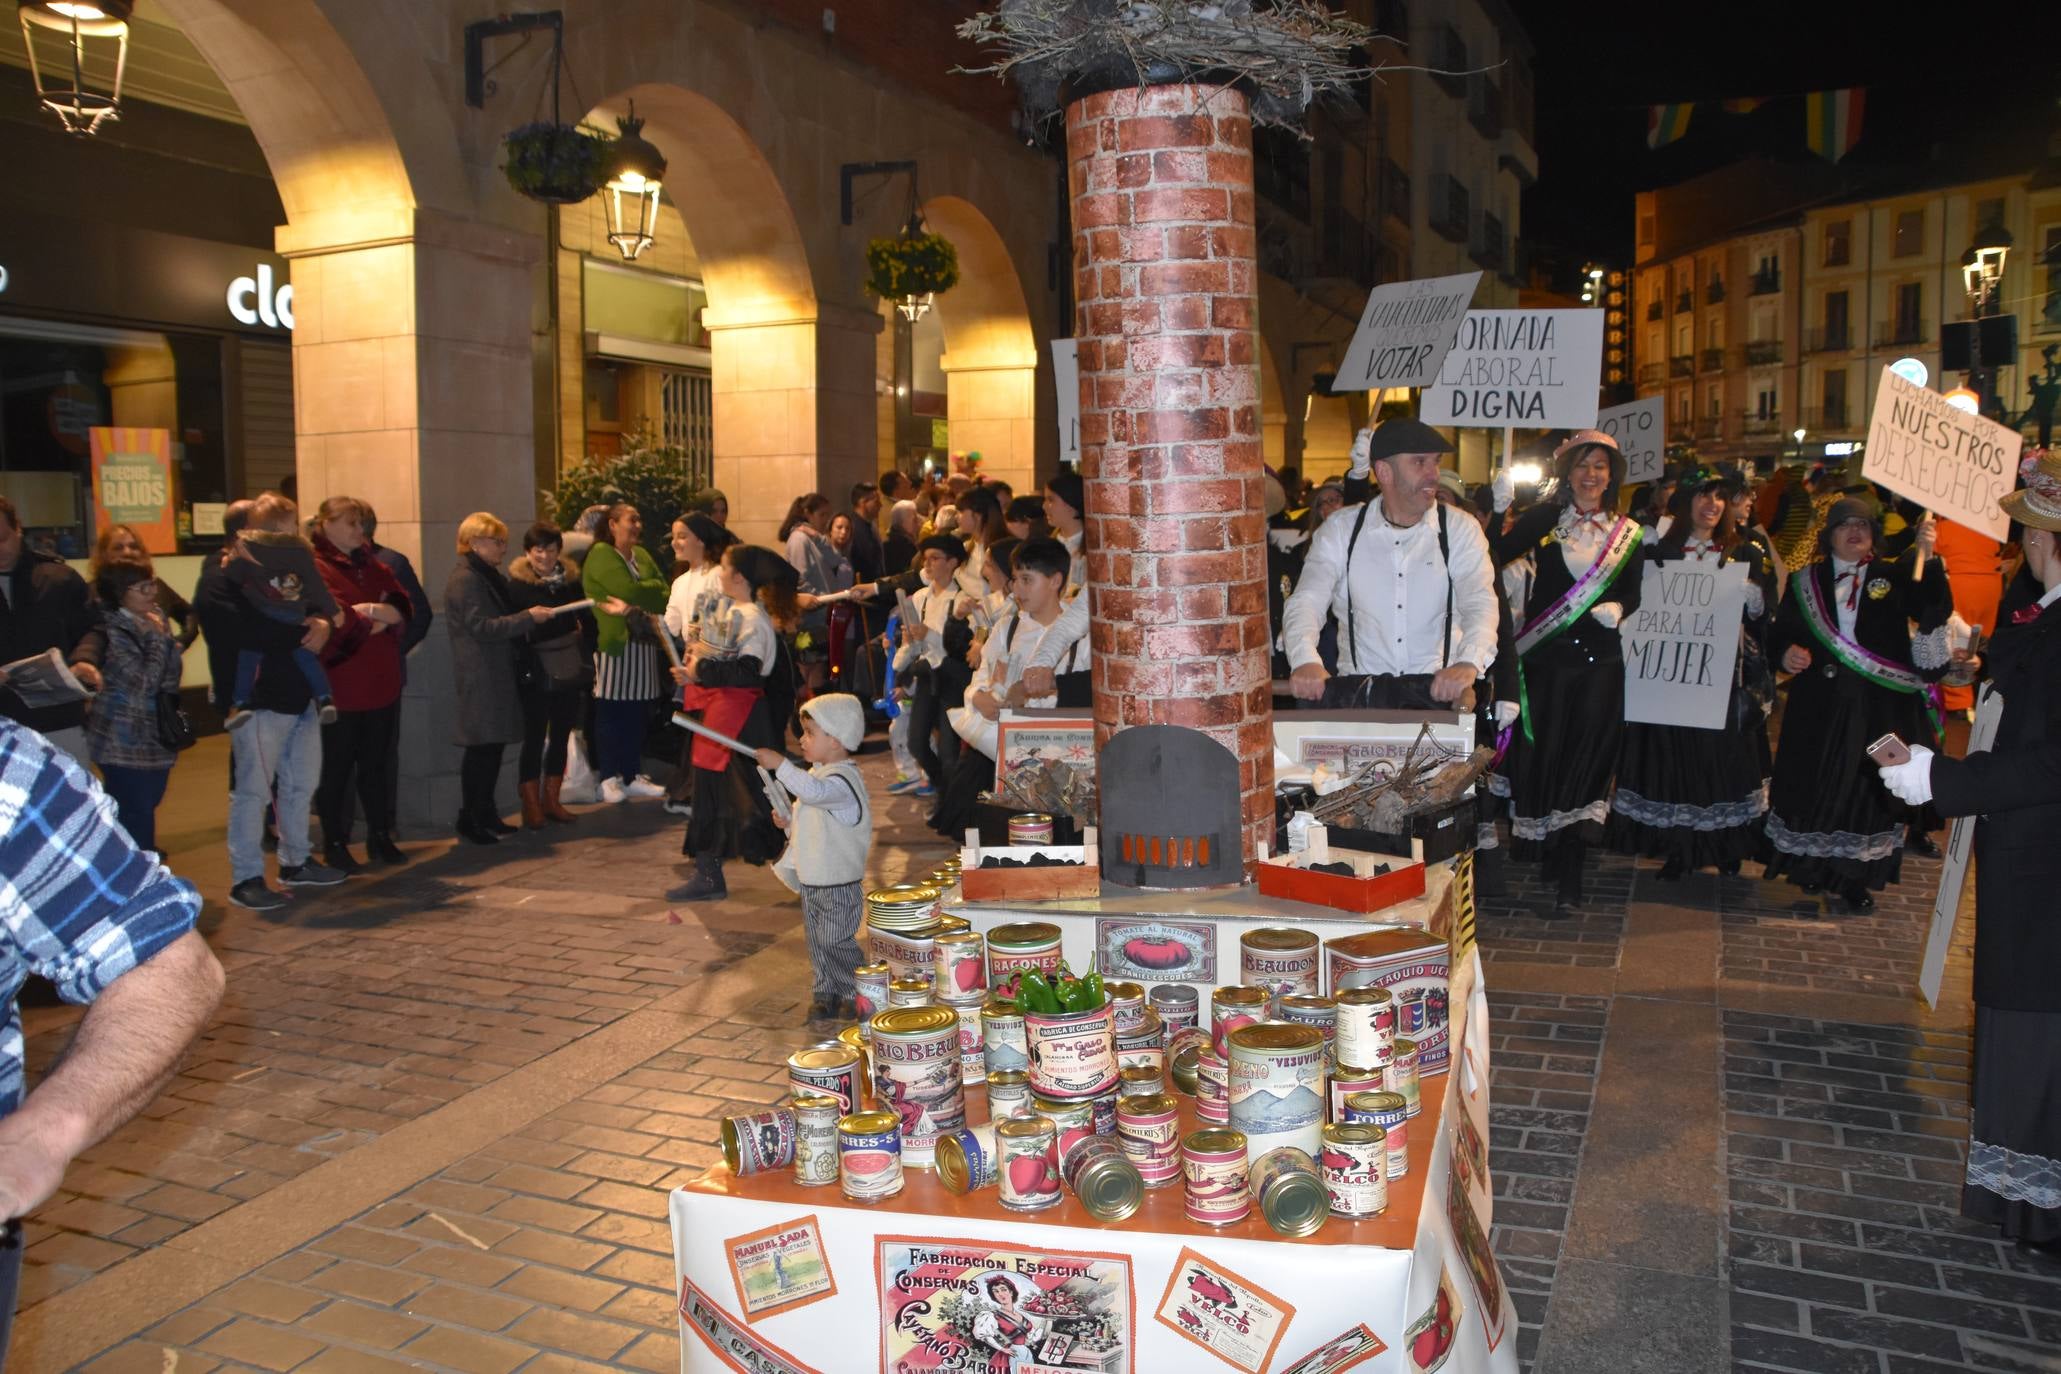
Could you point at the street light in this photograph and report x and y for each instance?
(80, 111)
(633, 184)
(1982, 274)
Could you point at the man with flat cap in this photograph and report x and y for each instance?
(1411, 585)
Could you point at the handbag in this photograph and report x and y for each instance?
(174, 730)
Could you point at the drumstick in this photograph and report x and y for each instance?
(1918, 563)
(687, 722)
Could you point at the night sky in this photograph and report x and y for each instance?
(1600, 63)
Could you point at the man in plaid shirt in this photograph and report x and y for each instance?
(113, 929)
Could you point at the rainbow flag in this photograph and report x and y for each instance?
(1745, 104)
(1832, 121)
(1666, 123)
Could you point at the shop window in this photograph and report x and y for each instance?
(637, 304)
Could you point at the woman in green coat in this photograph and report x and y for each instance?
(627, 675)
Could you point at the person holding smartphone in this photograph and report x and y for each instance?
(2014, 1144)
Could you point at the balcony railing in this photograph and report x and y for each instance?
(1395, 191)
(1714, 294)
(1655, 309)
(1763, 352)
(1752, 422)
(1685, 301)
(1713, 360)
(1765, 284)
(1682, 366)
(1710, 427)
(1830, 339)
(1449, 208)
(1652, 374)
(1898, 333)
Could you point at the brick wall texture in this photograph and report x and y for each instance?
(1161, 181)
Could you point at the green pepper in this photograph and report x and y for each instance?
(1036, 994)
(1093, 998)
(1070, 993)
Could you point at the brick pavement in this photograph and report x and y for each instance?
(1590, 938)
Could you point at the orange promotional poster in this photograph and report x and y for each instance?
(132, 484)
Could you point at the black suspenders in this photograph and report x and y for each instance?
(1445, 558)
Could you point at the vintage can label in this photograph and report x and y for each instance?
(909, 992)
(906, 956)
(1073, 1054)
(1213, 1172)
(870, 993)
(973, 1066)
(1072, 1121)
(827, 1071)
(1030, 827)
(1403, 1075)
(966, 1159)
(1406, 962)
(1366, 1027)
(1015, 949)
(1177, 1004)
(1233, 1007)
(1127, 1004)
(1009, 1095)
(1355, 1170)
(917, 1076)
(1003, 1047)
(815, 1139)
(1277, 1086)
(1347, 1080)
(1212, 1087)
(1103, 1107)
(959, 967)
(1387, 1112)
(1411, 1010)
(1139, 1080)
(1280, 960)
(1026, 1163)
(869, 1148)
(1102, 1177)
(1149, 1129)
(1145, 1045)
(1290, 1192)
(758, 1141)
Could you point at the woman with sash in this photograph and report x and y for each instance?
(1586, 579)
(1692, 796)
(1861, 673)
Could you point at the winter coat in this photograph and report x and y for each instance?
(604, 574)
(364, 666)
(563, 645)
(485, 630)
(2015, 787)
(141, 662)
(45, 607)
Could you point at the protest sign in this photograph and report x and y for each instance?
(1640, 428)
(1066, 381)
(1405, 332)
(1532, 369)
(1952, 463)
(1680, 645)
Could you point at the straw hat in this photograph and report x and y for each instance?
(2038, 502)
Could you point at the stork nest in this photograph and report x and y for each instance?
(1284, 54)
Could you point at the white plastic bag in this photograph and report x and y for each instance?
(580, 784)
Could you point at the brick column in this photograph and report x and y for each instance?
(1161, 180)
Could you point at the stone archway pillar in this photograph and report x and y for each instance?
(412, 385)
(1161, 180)
(991, 408)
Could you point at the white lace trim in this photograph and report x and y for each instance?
(1684, 816)
(1834, 844)
(2013, 1176)
(1498, 785)
(1930, 650)
(1537, 828)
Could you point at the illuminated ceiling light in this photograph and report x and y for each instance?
(80, 111)
(1961, 398)
(633, 184)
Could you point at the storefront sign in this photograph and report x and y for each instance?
(1405, 332)
(1066, 384)
(1954, 464)
(255, 299)
(728, 1339)
(780, 1267)
(973, 1306)
(1530, 369)
(1640, 428)
(1340, 1353)
(132, 484)
(1679, 646)
(1156, 951)
(1224, 1314)
(77, 267)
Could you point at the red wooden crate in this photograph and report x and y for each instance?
(1285, 876)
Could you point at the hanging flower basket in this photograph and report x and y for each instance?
(558, 164)
(911, 265)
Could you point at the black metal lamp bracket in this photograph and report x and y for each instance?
(477, 85)
(851, 171)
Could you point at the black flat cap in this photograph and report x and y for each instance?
(1403, 435)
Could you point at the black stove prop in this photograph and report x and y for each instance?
(1170, 810)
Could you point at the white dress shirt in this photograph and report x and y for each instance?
(1398, 601)
(1849, 584)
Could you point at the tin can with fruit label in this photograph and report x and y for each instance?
(1073, 1122)
(1149, 1129)
(966, 1159)
(1027, 1163)
(1214, 1177)
(1003, 1048)
(1366, 1027)
(1402, 1076)
(959, 967)
(830, 1071)
(1277, 1086)
(1385, 1110)
(1232, 1007)
(869, 1149)
(1126, 1004)
(870, 993)
(1072, 1054)
(917, 1076)
(1016, 948)
(815, 1138)
(1279, 959)
(757, 1142)
(1347, 1080)
(1102, 1176)
(1177, 1005)
(1290, 1191)
(1355, 1170)
(973, 1066)
(1009, 1095)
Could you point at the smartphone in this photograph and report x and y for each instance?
(1889, 750)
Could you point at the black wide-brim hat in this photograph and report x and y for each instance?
(1844, 509)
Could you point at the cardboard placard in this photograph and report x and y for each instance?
(1405, 332)
(1531, 369)
(132, 484)
(1640, 428)
(1954, 464)
(1066, 383)
(1682, 642)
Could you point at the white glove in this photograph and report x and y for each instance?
(1911, 783)
(1608, 615)
(1506, 714)
(1503, 488)
(1361, 464)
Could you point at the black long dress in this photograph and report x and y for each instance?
(1558, 778)
(2014, 1146)
(1831, 823)
(1695, 795)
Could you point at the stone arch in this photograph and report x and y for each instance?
(991, 351)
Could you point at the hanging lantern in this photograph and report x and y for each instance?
(638, 170)
(911, 268)
(105, 22)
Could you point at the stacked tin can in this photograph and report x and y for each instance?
(960, 981)
(1311, 1009)
(815, 1138)
(1387, 1113)
(902, 921)
(871, 984)
(1277, 1086)
(832, 1069)
(1214, 1173)
(1281, 960)
(1176, 1005)
(1363, 1044)
(869, 1148)
(1149, 1129)
(1234, 1006)
(1002, 1046)
(1402, 1074)
(1020, 946)
(916, 1072)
